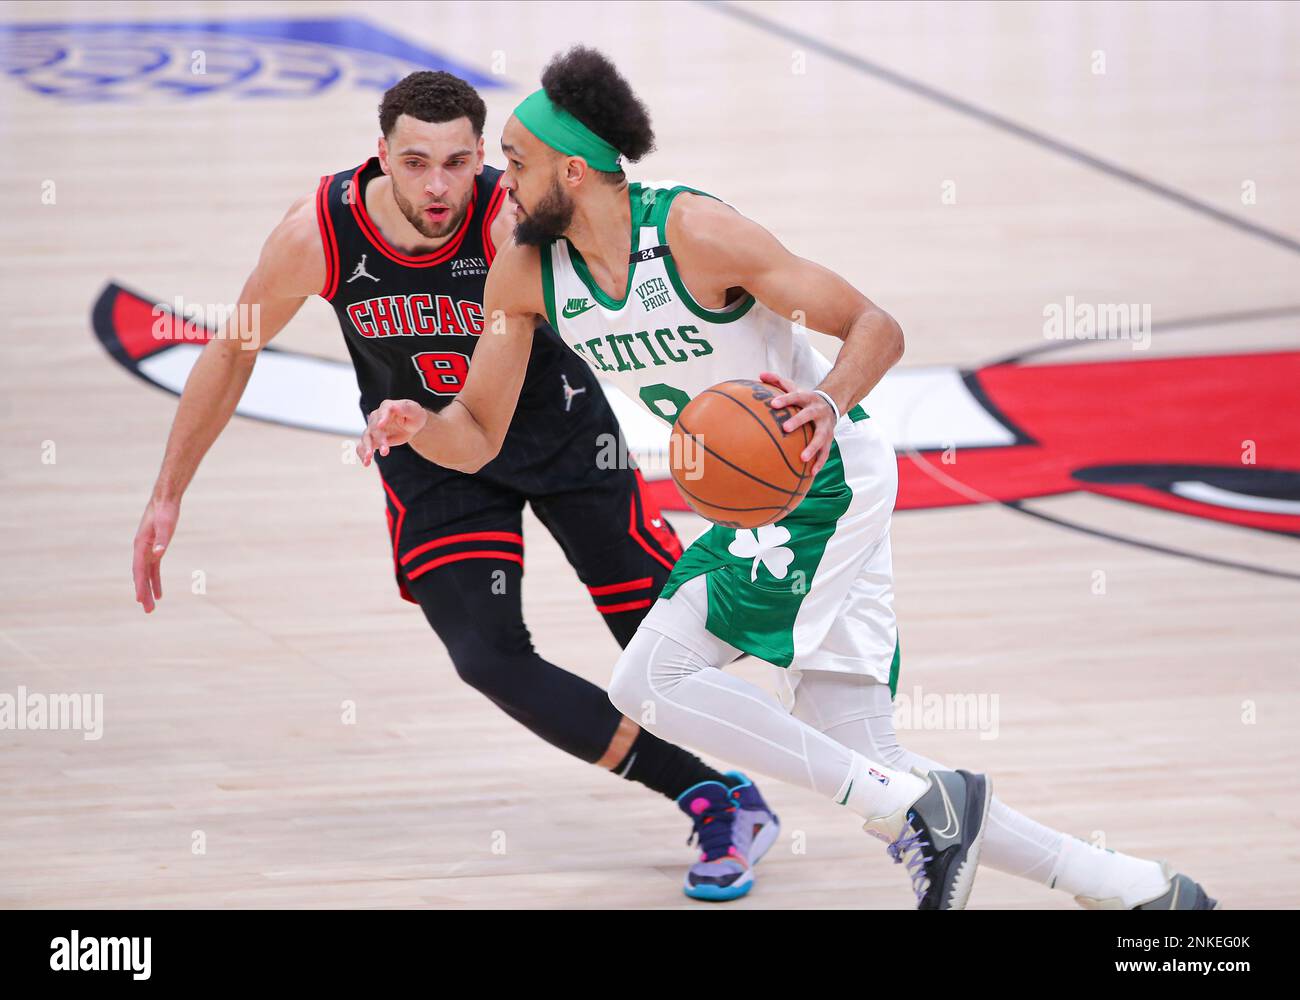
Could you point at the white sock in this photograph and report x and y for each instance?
(1083, 869)
(873, 790)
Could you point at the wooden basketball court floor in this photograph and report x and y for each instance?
(965, 164)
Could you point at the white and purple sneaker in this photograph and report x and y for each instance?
(734, 829)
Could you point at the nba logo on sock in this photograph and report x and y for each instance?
(883, 779)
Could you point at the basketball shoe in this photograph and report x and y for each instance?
(1182, 894)
(942, 832)
(734, 829)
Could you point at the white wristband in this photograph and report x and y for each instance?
(830, 402)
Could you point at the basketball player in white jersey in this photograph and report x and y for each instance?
(667, 291)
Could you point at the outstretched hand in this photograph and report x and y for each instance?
(393, 422)
(151, 540)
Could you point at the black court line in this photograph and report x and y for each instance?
(1171, 326)
(1177, 325)
(1079, 156)
(998, 121)
(1018, 506)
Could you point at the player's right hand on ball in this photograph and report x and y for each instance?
(392, 422)
(151, 540)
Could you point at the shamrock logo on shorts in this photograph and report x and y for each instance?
(766, 547)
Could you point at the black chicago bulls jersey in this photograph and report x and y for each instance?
(411, 322)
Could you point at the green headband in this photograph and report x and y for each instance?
(564, 133)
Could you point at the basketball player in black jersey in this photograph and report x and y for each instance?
(400, 247)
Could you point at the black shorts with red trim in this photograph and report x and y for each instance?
(598, 509)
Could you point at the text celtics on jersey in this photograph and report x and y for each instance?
(632, 351)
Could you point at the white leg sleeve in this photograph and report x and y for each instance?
(858, 712)
(671, 685)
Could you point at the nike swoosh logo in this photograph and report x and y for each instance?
(574, 307)
(952, 827)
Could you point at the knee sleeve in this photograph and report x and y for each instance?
(651, 667)
(855, 710)
(490, 663)
(483, 630)
(630, 686)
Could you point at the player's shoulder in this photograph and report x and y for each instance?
(696, 220)
(518, 258)
(293, 254)
(698, 208)
(299, 224)
(515, 277)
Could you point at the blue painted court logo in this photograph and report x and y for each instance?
(243, 58)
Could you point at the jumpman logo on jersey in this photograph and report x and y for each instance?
(361, 272)
(569, 392)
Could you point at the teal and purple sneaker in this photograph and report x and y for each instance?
(734, 829)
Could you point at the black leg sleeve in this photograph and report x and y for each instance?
(474, 606)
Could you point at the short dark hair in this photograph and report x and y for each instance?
(586, 84)
(431, 97)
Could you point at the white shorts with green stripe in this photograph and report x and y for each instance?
(815, 590)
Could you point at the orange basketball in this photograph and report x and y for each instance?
(732, 460)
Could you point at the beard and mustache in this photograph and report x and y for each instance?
(548, 220)
(425, 227)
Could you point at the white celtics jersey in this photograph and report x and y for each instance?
(813, 590)
(657, 343)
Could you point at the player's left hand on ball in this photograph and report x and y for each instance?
(812, 408)
(393, 422)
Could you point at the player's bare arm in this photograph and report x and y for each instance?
(290, 268)
(718, 249)
(467, 434)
